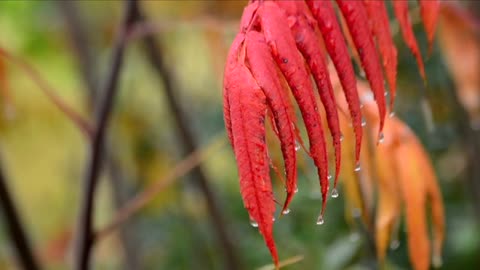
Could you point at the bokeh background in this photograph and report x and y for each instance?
(44, 155)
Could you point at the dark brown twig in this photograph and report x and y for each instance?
(84, 234)
(187, 140)
(15, 228)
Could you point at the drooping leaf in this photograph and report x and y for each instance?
(282, 44)
(400, 7)
(335, 44)
(356, 19)
(429, 12)
(263, 68)
(377, 13)
(304, 28)
(248, 106)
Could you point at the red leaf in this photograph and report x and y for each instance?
(290, 61)
(357, 21)
(247, 110)
(304, 28)
(379, 23)
(337, 49)
(231, 63)
(429, 10)
(400, 7)
(263, 68)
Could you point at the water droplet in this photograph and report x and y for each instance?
(296, 190)
(320, 220)
(253, 223)
(273, 219)
(358, 167)
(381, 137)
(385, 94)
(286, 211)
(341, 137)
(392, 114)
(334, 193)
(394, 244)
(297, 146)
(364, 122)
(329, 177)
(437, 261)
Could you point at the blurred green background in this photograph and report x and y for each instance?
(44, 155)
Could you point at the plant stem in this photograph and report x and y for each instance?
(84, 234)
(15, 228)
(186, 138)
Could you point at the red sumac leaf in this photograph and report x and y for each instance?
(337, 49)
(400, 7)
(304, 28)
(247, 109)
(264, 69)
(379, 23)
(357, 21)
(291, 63)
(429, 10)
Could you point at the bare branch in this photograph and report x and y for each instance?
(15, 228)
(142, 199)
(74, 116)
(84, 234)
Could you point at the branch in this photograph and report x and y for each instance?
(142, 199)
(187, 140)
(84, 233)
(15, 228)
(75, 117)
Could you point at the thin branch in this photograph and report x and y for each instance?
(74, 116)
(76, 28)
(84, 234)
(187, 140)
(15, 228)
(141, 200)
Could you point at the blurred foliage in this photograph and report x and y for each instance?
(45, 155)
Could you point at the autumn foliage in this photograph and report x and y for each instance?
(280, 47)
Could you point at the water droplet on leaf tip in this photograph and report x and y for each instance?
(253, 223)
(320, 220)
(334, 193)
(364, 122)
(329, 177)
(381, 137)
(296, 190)
(358, 167)
(286, 211)
(297, 146)
(273, 219)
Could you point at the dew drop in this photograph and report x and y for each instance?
(320, 220)
(385, 94)
(273, 219)
(392, 114)
(357, 167)
(381, 137)
(296, 190)
(297, 146)
(253, 223)
(286, 211)
(329, 177)
(341, 137)
(364, 122)
(394, 244)
(334, 193)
